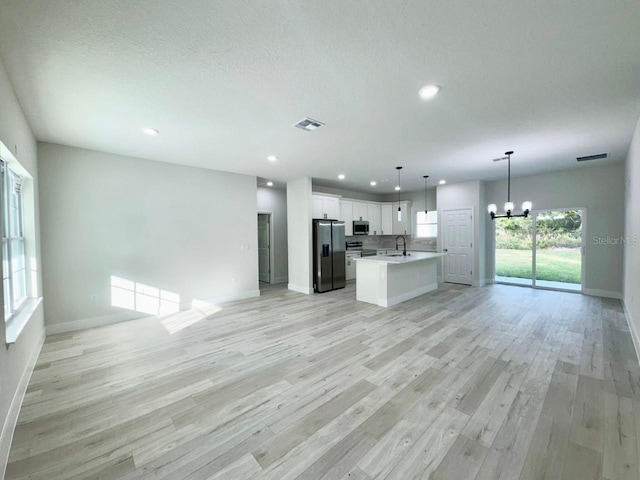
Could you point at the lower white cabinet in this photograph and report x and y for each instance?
(350, 266)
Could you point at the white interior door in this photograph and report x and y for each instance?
(264, 247)
(457, 244)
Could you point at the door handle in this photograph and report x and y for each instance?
(445, 249)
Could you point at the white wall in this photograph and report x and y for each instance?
(186, 230)
(466, 195)
(299, 235)
(598, 189)
(16, 361)
(632, 233)
(274, 201)
(370, 197)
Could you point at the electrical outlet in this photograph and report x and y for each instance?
(235, 279)
(94, 298)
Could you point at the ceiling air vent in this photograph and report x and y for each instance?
(308, 124)
(592, 157)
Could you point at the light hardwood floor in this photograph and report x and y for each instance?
(490, 383)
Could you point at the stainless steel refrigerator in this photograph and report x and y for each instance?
(328, 255)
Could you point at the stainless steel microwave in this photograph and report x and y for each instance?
(360, 227)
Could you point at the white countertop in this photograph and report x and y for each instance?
(411, 257)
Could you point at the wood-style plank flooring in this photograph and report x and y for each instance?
(497, 382)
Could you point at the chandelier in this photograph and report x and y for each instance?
(508, 206)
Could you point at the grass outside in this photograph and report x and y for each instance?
(558, 265)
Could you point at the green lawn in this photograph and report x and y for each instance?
(561, 265)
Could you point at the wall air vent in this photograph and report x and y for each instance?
(308, 124)
(592, 157)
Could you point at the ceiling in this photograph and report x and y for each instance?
(224, 81)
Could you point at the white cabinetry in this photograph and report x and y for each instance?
(350, 266)
(346, 215)
(375, 221)
(360, 211)
(325, 207)
(386, 219)
(402, 227)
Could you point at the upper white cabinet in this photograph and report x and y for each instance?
(375, 220)
(360, 211)
(346, 215)
(382, 217)
(402, 226)
(325, 207)
(386, 219)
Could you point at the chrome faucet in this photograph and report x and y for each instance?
(404, 245)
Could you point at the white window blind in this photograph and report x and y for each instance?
(427, 224)
(14, 265)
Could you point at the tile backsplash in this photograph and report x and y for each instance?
(389, 241)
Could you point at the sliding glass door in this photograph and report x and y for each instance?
(514, 250)
(544, 250)
(558, 249)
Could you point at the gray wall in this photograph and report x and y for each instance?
(299, 235)
(598, 189)
(274, 201)
(186, 230)
(632, 233)
(15, 366)
(371, 197)
(466, 195)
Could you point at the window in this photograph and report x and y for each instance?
(427, 224)
(14, 265)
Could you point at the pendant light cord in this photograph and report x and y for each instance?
(398, 169)
(425, 194)
(508, 176)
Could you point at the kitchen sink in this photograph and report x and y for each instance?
(396, 255)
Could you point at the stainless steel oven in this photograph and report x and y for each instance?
(360, 227)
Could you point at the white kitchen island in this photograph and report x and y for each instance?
(387, 280)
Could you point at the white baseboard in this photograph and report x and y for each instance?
(390, 302)
(632, 330)
(94, 322)
(231, 298)
(489, 281)
(278, 280)
(299, 289)
(14, 409)
(602, 293)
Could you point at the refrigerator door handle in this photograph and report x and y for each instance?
(325, 249)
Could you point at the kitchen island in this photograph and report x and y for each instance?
(387, 280)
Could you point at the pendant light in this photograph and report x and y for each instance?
(425, 194)
(398, 188)
(508, 206)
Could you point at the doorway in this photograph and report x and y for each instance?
(545, 250)
(264, 247)
(457, 245)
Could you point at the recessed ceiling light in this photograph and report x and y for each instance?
(373, 184)
(442, 182)
(397, 188)
(272, 158)
(150, 131)
(341, 176)
(428, 91)
(269, 184)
